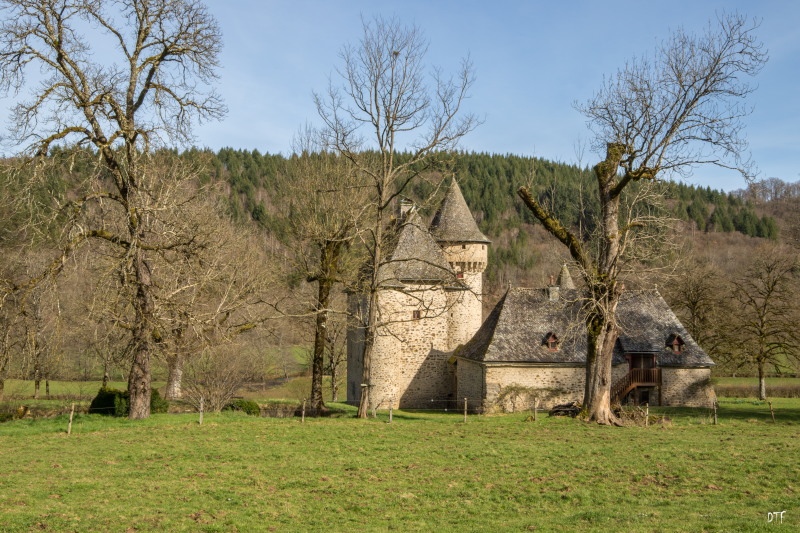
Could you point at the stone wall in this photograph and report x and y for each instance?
(466, 311)
(688, 387)
(468, 260)
(410, 367)
(469, 380)
(555, 385)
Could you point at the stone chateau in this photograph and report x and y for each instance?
(433, 350)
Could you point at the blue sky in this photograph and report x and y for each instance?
(532, 59)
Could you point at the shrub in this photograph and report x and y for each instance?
(157, 403)
(115, 402)
(110, 402)
(247, 406)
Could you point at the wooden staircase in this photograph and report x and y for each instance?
(637, 377)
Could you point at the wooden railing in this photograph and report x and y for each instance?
(636, 377)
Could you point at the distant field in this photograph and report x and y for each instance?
(748, 387)
(424, 472)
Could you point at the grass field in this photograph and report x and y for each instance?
(424, 472)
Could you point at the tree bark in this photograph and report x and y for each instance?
(601, 337)
(140, 376)
(175, 377)
(762, 382)
(328, 262)
(372, 314)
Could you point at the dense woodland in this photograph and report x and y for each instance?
(72, 326)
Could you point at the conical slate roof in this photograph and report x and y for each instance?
(415, 258)
(565, 279)
(453, 221)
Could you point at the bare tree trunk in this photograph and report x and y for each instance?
(329, 258)
(372, 311)
(369, 342)
(140, 375)
(601, 324)
(597, 394)
(762, 382)
(47, 388)
(175, 377)
(334, 384)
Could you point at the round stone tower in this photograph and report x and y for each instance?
(466, 249)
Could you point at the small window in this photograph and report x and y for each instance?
(460, 275)
(416, 315)
(675, 343)
(551, 341)
(463, 246)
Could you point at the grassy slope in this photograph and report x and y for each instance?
(423, 472)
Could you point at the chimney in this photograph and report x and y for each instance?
(553, 292)
(404, 208)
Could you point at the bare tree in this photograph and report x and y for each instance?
(384, 106)
(763, 331)
(324, 203)
(146, 97)
(654, 119)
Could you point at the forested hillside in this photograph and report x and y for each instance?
(489, 183)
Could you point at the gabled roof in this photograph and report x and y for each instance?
(515, 329)
(647, 324)
(415, 257)
(453, 222)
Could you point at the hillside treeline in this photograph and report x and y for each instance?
(489, 183)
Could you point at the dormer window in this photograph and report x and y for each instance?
(551, 341)
(675, 343)
(416, 315)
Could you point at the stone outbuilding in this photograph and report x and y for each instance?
(535, 339)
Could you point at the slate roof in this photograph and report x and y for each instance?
(453, 222)
(416, 257)
(516, 328)
(565, 279)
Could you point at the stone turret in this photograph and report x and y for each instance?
(465, 248)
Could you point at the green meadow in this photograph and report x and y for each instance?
(425, 471)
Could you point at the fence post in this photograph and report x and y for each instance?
(202, 400)
(71, 412)
(646, 415)
(303, 414)
(465, 410)
(391, 406)
(535, 409)
(715, 412)
(771, 411)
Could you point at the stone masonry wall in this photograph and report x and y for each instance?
(466, 311)
(469, 379)
(410, 366)
(558, 385)
(688, 387)
(468, 260)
